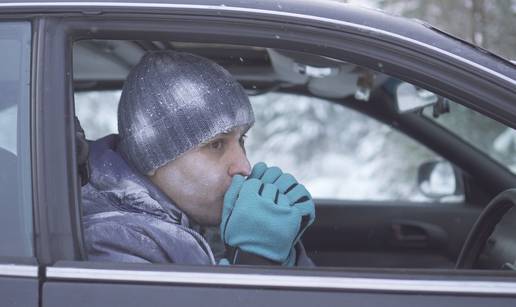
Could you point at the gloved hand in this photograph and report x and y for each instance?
(296, 193)
(266, 214)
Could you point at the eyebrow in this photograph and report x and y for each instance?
(222, 135)
(215, 138)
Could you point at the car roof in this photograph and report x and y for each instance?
(333, 13)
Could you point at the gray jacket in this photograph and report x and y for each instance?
(128, 219)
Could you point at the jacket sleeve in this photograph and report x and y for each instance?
(114, 242)
(237, 256)
(135, 237)
(302, 258)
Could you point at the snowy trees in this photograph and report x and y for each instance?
(336, 152)
(485, 23)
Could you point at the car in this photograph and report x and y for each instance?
(403, 134)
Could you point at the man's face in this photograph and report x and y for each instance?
(199, 178)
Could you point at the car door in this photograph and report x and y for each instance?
(69, 281)
(19, 283)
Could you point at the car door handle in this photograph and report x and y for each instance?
(408, 233)
(416, 234)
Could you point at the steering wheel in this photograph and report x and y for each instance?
(483, 228)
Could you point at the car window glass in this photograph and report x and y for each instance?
(15, 180)
(491, 137)
(339, 153)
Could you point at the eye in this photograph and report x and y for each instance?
(217, 144)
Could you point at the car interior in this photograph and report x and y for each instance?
(452, 229)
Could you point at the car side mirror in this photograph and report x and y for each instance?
(410, 98)
(439, 179)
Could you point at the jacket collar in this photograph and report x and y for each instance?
(129, 190)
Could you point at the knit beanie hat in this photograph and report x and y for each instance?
(172, 102)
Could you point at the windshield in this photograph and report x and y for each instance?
(491, 137)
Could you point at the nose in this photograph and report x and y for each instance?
(239, 165)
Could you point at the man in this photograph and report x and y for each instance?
(179, 162)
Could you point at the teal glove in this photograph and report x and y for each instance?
(288, 185)
(266, 218)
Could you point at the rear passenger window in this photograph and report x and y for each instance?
(15, 175)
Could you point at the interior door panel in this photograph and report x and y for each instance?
(388, 234)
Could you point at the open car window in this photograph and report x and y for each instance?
(386, 193)
(338, 153)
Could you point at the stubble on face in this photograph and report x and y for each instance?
(197, 181)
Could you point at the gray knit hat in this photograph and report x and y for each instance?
(173, 101)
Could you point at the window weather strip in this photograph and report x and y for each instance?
(285, 281)
(16, 270)
(249, 10)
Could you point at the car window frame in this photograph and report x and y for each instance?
(20, 275)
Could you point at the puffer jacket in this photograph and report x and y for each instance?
(126, 218)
